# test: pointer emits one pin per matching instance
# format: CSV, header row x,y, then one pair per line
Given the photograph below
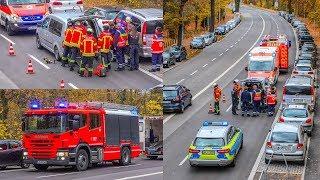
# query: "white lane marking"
x,y
54,175
73,86
234,64
133,165
193,72
231,46
239,40
236,42
151,75
213,59
205,65
168,118
180,81
9,40
41,63
221,54
229,108
183,161
227,49
305,160
256,164
140,176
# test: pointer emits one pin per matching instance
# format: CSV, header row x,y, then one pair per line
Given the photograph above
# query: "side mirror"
x,y
246,68
75,125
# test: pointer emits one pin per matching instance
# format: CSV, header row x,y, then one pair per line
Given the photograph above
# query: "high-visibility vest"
x,y
257,95
77,36
271,99
157,46
217,94
122,38
104,42
88,46
67,36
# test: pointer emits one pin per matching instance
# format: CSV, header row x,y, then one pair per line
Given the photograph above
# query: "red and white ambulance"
x,y
22,15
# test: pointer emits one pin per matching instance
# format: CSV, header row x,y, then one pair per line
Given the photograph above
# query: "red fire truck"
x,y
80,135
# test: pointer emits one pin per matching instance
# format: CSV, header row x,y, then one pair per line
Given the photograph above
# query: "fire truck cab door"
x,y
95,129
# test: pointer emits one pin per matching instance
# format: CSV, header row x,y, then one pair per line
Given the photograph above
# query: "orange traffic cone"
x,y
223,98
30,68
211,110
11,50
62,84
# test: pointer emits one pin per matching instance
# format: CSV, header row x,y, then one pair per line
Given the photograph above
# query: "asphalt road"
x,y
143,169
48,76
199,74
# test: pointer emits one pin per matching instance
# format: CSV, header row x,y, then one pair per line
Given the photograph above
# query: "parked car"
x,y
198,43
179,52
308,56
146,21
11,152
299,114
168,59
108,12
305,69
299,89
65,5
176,98
209,38
232,23
304,38
220,30
286,142
308,49
154,150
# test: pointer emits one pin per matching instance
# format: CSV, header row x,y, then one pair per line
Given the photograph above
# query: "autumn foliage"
x,y
14,102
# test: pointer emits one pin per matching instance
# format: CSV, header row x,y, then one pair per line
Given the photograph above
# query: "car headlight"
x,y
15,17
62,154
25,153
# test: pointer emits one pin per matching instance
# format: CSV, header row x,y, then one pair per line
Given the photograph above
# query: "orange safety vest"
x,y
217,93
238,89
104,42
77,36
271,100
122,41
88,46
67,36
257,96
157,46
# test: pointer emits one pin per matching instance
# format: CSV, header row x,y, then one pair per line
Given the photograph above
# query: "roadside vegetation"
x,y
13,103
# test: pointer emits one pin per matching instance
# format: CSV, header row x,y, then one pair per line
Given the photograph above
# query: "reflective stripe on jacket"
x,y
104,42
88,46
67,36
157,45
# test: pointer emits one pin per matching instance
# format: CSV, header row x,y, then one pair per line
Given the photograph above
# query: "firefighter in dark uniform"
x,y
67,43
246,99
88,49
134,45
235,96
119,46
257,97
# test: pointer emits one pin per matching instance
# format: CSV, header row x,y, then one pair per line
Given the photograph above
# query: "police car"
x,y
217,144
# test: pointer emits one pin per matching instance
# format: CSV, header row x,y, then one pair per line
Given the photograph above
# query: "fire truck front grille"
x,y
42,149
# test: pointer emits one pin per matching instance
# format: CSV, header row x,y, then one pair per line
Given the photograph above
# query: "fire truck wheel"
x,y
82,160
41,167
125,157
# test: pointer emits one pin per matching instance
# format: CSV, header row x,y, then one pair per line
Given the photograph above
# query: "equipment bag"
x,y
100,71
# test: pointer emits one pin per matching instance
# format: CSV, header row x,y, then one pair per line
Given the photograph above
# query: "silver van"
x,y
145,20
50,32
299,89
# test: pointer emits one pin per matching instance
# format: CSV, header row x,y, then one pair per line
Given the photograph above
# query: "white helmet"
x,y
236,81
215,85
128,19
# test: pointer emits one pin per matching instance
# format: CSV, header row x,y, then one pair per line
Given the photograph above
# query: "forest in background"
x,y
13,103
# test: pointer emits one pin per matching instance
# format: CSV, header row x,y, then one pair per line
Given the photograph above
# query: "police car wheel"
x,y
309,134
234,162
241,146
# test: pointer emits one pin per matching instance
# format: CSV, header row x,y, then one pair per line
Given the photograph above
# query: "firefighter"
x,y
235,95
257,97
157,50
134,44
88,50
119,47
245,100
77,36
271,103
67,43
217,92
105,41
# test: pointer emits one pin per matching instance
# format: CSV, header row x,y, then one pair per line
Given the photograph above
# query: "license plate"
x,y
283,148
31,28
298,100
206,152
42,162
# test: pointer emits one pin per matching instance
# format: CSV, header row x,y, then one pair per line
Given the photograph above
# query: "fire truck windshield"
x,y
48,123
20,2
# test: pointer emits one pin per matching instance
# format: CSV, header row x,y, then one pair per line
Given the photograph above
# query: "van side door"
x,y
55,34
42,32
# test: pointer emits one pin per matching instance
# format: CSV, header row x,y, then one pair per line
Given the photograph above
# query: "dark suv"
x,y
176,98
11,154
303,39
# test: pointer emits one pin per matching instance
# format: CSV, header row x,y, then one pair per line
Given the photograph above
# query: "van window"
x,y
151,25
94,121
45,23
300,90
55,27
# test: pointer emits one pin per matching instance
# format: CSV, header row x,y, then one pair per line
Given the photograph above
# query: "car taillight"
x,y
223,151
284,90
295,72
312,90
308,121
299,146
193,151
281,119
310,72
57,3
144,32
79,2
269,145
